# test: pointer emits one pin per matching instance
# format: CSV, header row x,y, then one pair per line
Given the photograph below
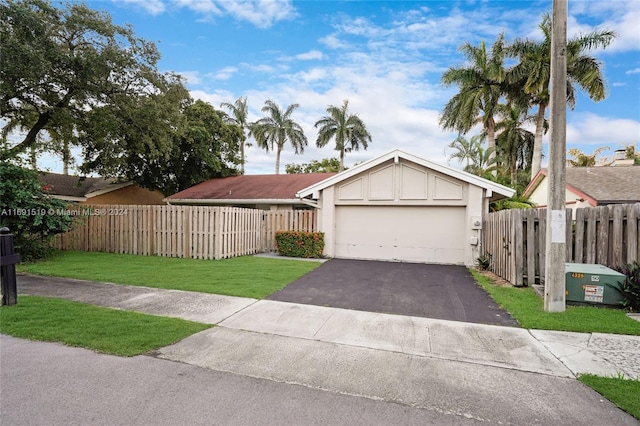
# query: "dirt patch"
x,y
495,279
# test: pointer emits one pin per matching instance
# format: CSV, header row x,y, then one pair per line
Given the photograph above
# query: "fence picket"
x,y
200,232
605,235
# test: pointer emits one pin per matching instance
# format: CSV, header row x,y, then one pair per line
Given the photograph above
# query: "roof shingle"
x,y
607,184
251,187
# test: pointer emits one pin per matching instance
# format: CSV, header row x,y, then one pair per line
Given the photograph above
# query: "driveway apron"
x,y
446,292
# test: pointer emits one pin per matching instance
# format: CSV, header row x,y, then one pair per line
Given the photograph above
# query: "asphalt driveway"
x,y
446,292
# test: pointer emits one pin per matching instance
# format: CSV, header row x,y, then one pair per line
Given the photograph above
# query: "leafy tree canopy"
x,y
76,77
326,165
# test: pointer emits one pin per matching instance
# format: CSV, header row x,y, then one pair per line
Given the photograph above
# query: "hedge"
x,y
300,244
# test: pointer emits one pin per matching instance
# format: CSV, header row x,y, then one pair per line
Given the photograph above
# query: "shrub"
x,y
630,286
484,262
28,212
300,244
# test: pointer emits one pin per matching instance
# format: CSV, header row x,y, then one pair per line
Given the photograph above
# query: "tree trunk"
x,y
30,139
278,159
341,160
491,141
536,160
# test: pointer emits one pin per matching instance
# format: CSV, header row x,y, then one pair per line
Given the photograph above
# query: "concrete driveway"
x,y
446,292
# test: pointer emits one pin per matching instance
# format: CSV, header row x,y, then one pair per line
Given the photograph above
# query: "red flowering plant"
x,y
300,244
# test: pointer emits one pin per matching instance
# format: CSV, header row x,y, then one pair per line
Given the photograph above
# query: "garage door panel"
x,y
417,234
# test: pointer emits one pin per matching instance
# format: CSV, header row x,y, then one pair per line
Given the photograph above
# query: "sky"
x,y
385,57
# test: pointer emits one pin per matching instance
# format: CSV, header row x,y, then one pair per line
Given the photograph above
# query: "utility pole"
x,y
554,285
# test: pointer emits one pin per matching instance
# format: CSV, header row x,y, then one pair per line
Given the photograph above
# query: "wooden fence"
x,y
515,239
199,232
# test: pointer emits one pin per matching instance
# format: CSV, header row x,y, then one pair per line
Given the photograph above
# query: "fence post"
x,y
8,260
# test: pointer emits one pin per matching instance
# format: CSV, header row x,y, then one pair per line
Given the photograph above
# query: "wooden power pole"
x,y
554,289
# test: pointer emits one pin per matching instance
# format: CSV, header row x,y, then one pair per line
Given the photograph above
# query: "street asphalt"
x,y
274,362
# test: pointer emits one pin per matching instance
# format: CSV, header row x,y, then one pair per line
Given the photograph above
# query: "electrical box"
x,y
588,284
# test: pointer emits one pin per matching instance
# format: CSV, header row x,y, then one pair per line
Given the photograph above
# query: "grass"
x,y
624,393
101,329
528,309
246,276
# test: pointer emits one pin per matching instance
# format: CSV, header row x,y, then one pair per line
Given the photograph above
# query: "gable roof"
x,y
79,188
495,190
249,189
600,185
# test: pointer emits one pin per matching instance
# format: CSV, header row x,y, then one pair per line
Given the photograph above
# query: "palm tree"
x,y
485,164
514,143
349,131
466,150
533,73
239,113
580,159
278,128
481,86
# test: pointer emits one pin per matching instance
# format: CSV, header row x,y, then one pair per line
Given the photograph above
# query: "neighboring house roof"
x,y
598,185
495,190
79,188
248,189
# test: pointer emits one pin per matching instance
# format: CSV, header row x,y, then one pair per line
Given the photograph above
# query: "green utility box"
x,y
588,284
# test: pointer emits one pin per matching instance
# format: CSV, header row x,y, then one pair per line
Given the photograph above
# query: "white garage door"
x,y
413,234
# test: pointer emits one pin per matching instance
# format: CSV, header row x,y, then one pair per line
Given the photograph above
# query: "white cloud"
x,y
310,55
332,41
261,13
592,129
225,73
207,7
153,7
633,71
191,77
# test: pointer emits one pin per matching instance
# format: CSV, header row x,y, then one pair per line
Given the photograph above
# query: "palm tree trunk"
x,y
536,160
242,154
491,141
279,150
341,160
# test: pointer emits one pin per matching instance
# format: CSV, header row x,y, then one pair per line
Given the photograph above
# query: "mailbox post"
x,y
8,260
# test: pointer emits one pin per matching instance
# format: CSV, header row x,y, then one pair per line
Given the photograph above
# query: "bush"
x,y
630,287
28,212
300,244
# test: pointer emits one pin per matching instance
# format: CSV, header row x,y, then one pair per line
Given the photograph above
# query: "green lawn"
x,y
528,309
622,392
246,276
101,329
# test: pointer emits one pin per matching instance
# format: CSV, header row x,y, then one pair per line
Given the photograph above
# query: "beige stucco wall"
x,y
411,185
572,200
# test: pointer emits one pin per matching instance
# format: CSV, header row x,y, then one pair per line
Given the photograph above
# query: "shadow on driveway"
x,y
446,292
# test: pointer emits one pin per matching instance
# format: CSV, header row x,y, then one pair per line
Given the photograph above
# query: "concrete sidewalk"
x,y
460,368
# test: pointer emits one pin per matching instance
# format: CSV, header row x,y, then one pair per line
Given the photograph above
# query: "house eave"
x,y
395,155
219,201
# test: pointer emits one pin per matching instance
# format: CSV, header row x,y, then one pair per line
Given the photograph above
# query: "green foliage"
x,y
300,244
622,392
31,215
71,66
629,288
348,130
277,128
484,261
326,165
101,329
230,277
